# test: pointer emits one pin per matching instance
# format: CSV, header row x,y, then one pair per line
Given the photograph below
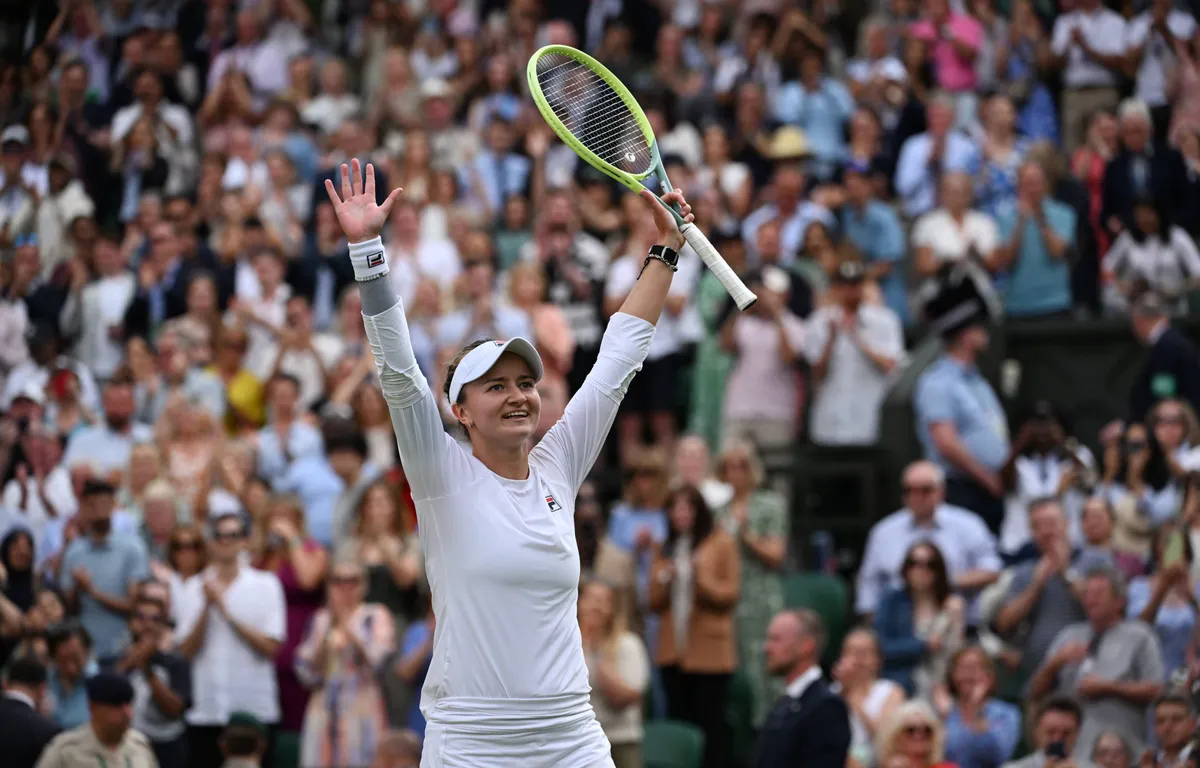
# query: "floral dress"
x,y
762,597
345,718
996,184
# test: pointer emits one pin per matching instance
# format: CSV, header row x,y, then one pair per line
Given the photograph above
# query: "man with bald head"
x,y
959,534
810,724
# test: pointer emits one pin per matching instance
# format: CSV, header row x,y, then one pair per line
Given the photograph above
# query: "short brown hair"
x,y
453,366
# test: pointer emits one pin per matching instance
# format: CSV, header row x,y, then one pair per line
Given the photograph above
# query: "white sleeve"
x,y
1185,250
189,605
571,446
273,619
1061,37
1116,261
432,460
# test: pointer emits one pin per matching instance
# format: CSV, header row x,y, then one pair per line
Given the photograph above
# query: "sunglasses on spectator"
x,y
924,731
922,489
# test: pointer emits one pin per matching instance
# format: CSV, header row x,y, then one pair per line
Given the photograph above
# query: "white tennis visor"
x,y
476,363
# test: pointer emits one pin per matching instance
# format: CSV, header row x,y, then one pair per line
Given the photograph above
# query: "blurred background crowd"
x,y
209,552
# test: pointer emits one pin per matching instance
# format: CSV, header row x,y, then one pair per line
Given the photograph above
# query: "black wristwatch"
x,y
668,256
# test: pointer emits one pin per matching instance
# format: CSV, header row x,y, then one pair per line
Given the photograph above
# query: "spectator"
x,y
762,393
921,624
301,565
1113,664
107,446
821,106
1139,169
1111,751
18,583
960,421
869,698
957,534
873,228
926,158
1055,732
694,467
758,519
618,670
108,732
162,681
695,583
243,742
808,722
853,347
1174,728
398,749
1153,255
1098,524
95,310
1171,370
232,623
101,568
70,653
26,731
1088,45
953,233
914,737
339,659
1043,596
1037,242
981,731
794,213
1166,599
1137,481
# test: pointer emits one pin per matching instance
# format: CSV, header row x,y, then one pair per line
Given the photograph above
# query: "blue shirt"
x,y
318,487
822,115
878,235
273,462
951,392
70,708
115,565
792,229
497,177
1038,284
623,525
916,185
968,748
104,449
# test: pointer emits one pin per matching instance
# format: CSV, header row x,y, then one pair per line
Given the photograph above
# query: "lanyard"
x,y
104,763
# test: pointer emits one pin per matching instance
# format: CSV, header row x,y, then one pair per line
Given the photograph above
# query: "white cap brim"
x,y
480,360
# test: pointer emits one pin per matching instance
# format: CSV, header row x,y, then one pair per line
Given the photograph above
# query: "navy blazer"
x,y
811,731
1172,369
898,642
24,733
1167,183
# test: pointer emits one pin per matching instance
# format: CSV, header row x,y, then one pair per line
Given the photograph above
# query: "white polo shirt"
x,y
1104,31
227,674
1159,57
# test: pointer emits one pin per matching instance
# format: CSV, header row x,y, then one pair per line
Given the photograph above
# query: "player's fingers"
x,y
391,200
356,176
369,187
333,195
346,191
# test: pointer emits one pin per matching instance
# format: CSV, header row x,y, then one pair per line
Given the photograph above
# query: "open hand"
x,y
357,212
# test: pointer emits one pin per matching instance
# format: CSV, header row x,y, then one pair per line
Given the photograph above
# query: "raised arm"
x,y
430,456
571,446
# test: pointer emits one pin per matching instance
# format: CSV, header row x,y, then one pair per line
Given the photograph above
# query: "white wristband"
x,y
368,259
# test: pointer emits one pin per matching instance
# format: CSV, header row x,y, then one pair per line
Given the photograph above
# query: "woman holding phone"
x,y
1166,599
508,682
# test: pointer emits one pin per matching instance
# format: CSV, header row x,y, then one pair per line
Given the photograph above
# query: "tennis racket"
x,y
595,115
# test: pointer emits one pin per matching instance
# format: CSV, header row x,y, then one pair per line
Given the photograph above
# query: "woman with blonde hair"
x,y
339,660
286,549
757,518
912,737
618,669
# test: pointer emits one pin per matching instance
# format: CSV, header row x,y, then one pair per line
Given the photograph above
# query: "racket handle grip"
x,y
708,254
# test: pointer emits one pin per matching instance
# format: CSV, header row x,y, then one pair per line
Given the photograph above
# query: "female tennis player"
x,y
507,685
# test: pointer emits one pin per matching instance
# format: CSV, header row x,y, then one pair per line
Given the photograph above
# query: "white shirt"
x,y
176,117
47,531
1165,266
1159,57
227,674
501,557
1104,31
797,687
938,231
846,402
98,307
431,260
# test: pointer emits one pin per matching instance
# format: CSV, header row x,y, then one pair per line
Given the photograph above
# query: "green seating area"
x,y
672,744
829,597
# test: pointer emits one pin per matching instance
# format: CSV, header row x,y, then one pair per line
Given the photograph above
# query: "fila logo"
x,y
554,505
375,260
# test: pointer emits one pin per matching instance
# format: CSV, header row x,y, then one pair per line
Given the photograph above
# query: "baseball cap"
x,y
32,392
480,360
15,134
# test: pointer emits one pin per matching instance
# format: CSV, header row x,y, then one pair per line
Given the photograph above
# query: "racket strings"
x,y
594,113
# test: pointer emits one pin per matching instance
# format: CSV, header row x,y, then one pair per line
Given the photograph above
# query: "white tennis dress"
x,y
508,684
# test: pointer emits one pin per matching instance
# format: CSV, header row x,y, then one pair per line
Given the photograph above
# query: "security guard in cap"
x,y
106,741
960,420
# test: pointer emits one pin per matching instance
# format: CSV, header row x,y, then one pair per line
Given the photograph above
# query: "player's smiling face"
x,y
503,404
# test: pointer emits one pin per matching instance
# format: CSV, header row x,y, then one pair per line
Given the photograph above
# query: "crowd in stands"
x,y
208,552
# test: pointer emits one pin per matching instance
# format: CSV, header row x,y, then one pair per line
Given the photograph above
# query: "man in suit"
x,y
1142,169
1171,370
809,725
24,732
